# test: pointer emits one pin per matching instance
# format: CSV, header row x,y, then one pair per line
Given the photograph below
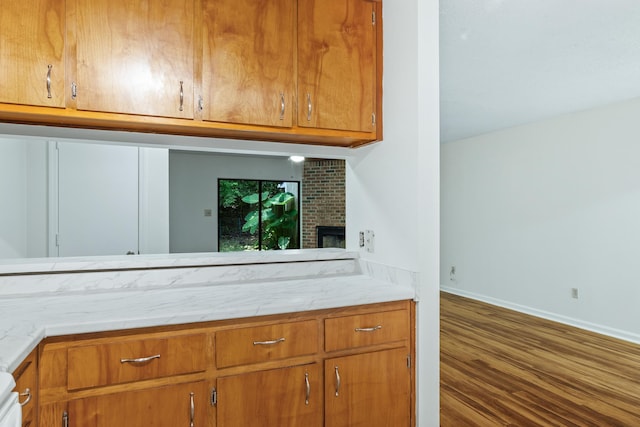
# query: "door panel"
x,y
248,61
32,40
133,55
158,407
336,64
97,199
368,390
271,398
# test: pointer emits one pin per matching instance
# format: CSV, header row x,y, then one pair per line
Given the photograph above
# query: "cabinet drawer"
x,y
134,360
366,329
262,343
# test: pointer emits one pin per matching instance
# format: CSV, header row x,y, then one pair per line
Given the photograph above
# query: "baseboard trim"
x,y
600,329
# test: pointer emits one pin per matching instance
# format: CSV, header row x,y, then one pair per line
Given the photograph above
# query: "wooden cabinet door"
x,y
134,57
278,397
26,376
248,61
32,52
336,64
168,406
368,390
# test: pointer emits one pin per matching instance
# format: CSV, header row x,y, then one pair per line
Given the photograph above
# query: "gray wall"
x,y
193,187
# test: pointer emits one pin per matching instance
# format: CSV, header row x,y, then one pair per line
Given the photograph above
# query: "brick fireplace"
x,y
323,198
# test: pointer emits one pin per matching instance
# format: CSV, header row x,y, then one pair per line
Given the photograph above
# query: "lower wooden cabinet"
x,y
168,406
26,377
287,397
368,390
344,367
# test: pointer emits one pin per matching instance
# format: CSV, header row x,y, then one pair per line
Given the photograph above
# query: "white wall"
x,y
153,209
37,190
530,212
23,191
193,187
393,187
13,188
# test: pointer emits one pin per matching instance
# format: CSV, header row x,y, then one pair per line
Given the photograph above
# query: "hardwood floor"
x,y
503,368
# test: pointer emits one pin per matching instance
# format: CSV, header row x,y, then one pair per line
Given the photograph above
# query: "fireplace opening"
x,y
330,236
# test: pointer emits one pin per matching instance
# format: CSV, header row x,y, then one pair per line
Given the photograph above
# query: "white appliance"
x,y
10,409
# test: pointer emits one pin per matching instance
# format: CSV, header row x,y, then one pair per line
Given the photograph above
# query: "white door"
x,y
97,200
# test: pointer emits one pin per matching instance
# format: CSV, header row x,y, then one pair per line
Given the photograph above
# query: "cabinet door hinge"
x,y
65,419
409,361
214,397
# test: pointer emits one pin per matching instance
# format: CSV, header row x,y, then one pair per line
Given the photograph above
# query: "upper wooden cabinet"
x,y
248,61
32,52
133,57
337,64
302,71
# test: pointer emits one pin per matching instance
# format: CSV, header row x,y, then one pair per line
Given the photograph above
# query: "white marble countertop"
x,y
26,319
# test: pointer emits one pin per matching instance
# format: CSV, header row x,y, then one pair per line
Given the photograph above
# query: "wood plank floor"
x,y
503,368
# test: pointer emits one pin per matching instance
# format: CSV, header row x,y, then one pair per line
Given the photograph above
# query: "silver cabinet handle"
x,y
338,381
308,386
200,103
28,395
192,409
49,80
181,95
272,342
74,90
282,105
141,359
65,419
372,329
309,107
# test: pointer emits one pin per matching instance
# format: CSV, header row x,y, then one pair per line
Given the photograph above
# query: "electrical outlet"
x,y
362,239
574,293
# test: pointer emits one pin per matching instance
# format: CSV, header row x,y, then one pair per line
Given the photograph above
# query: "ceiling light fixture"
x,y
296,159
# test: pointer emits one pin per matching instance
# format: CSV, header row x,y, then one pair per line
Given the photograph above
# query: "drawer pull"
x,y
49,67
272,342
192,409
181,95
338,381
373,329
27,394
282,105
141,359
308,388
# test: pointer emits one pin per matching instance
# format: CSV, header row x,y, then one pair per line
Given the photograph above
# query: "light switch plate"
x,y
369,240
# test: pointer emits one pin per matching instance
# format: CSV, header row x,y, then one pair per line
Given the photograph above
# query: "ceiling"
x,y
509,62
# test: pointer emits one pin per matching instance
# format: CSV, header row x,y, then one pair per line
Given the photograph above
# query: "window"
x,y
258,215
